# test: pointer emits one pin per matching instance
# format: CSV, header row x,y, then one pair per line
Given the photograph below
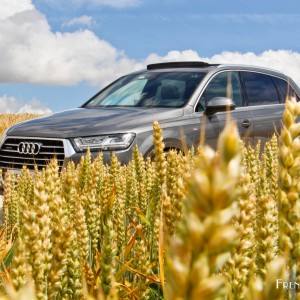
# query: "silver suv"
x,y
182,96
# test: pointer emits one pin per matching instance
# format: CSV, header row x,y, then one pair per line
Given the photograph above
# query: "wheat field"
x,y
212,224
7,120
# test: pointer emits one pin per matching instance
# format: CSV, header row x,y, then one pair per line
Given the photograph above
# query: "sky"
x,y
56,54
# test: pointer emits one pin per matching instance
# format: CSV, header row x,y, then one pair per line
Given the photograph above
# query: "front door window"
x,y
225,84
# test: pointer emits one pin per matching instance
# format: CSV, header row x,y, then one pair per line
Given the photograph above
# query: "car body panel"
x,y
89,122
241,115
267,119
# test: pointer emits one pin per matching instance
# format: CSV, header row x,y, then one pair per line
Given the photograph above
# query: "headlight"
x,y
105,142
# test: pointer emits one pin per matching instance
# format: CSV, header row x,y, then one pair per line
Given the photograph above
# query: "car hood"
x,y
87,122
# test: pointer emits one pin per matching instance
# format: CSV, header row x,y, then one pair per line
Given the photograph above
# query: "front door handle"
x,y
246,123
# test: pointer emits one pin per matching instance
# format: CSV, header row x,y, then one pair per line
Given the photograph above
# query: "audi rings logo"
x,y
29,148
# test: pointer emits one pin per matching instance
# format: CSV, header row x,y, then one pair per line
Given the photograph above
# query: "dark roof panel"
x,y
182,64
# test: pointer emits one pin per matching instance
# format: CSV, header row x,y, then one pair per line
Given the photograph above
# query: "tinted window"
x,y
285,89
259,88
149,89
225,84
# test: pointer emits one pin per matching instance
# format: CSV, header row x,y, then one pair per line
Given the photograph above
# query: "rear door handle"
x,y
246,123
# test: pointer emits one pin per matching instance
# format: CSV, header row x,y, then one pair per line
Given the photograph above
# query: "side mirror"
x,y
219,104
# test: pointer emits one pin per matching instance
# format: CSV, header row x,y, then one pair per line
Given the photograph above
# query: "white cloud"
x,y
288,62
83,20
285,61
9,7
10,104
35,54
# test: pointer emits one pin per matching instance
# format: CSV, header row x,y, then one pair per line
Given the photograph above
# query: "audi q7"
x,y
182,96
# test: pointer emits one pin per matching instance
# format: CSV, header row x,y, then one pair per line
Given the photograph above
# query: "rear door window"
x,y
259,88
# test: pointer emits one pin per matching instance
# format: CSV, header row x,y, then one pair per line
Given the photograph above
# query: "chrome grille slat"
x,y
21,165
6,150
41,152
9,144
26,158
10,157
56,147
44,146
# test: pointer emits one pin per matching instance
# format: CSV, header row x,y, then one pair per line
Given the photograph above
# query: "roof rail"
x,y
181,64
250,66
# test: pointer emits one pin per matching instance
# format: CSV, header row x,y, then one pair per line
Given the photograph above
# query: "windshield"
x,y
149,89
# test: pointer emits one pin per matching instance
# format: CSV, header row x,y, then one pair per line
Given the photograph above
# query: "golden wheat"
x,y
8,120
96,232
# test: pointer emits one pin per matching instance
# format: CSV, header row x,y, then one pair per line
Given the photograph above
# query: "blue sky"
x,y
56,54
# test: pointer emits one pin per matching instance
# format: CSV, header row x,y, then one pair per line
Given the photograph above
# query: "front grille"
x,y
10,156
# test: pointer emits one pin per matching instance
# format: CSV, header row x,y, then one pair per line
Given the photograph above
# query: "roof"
x,y
203,65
